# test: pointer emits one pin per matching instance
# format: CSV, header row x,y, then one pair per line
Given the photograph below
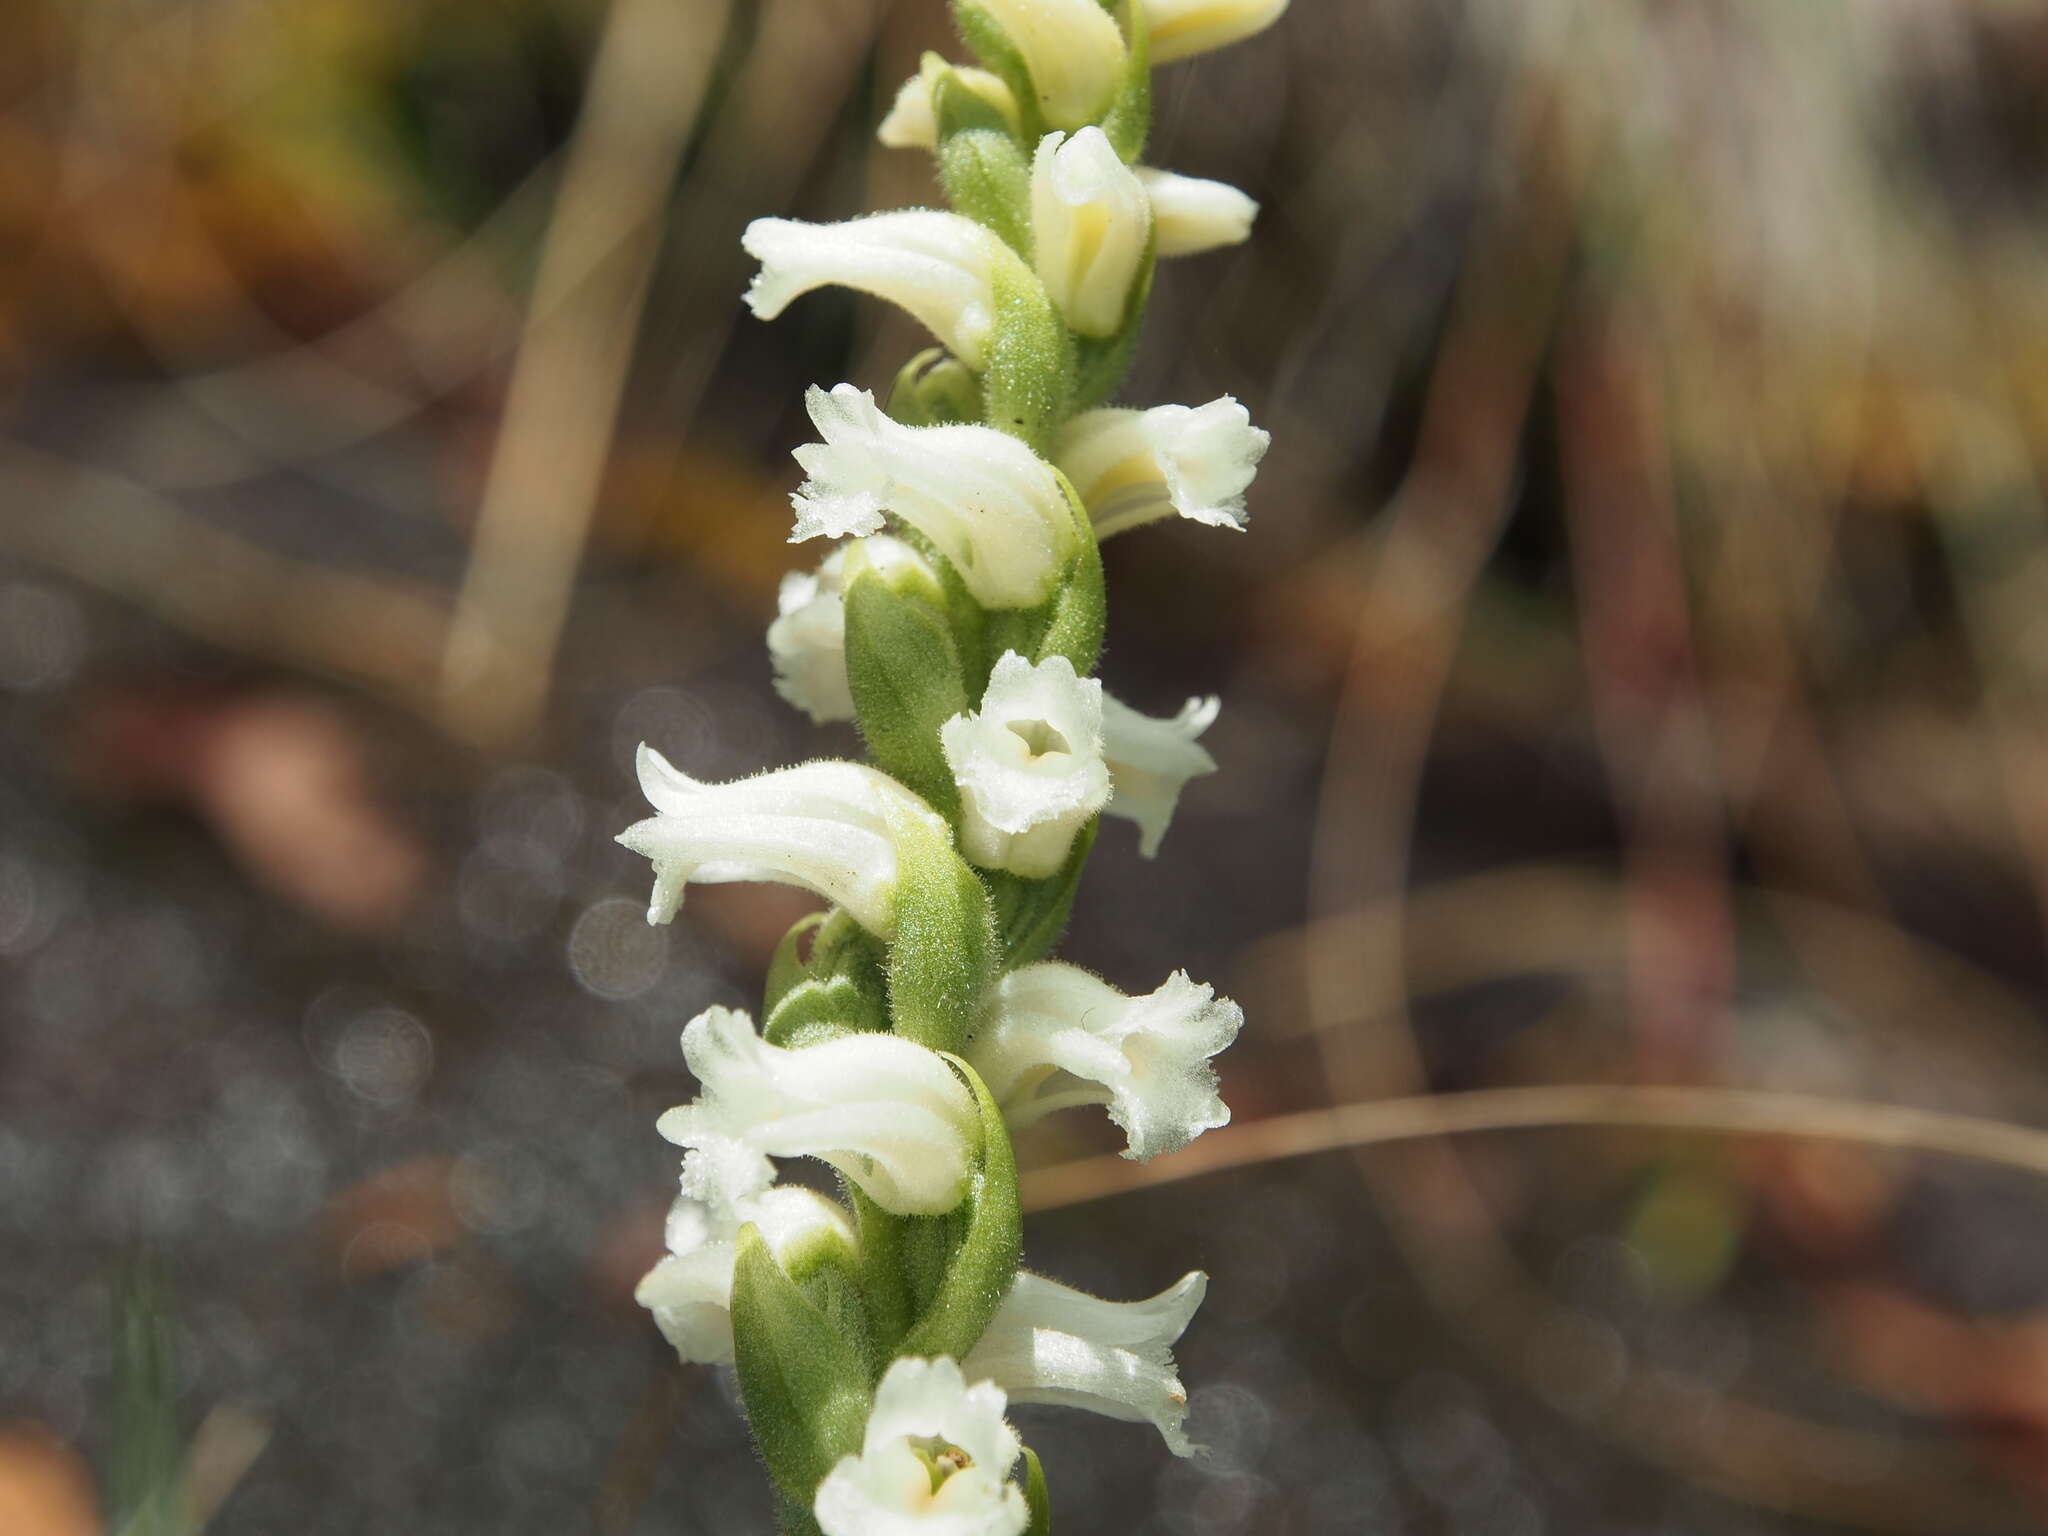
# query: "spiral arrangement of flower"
x,y
909,1029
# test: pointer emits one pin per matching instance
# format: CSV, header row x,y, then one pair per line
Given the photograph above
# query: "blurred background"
x,y
1636,675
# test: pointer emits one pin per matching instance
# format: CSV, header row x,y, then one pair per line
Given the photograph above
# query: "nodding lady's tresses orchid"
x,y
910,1030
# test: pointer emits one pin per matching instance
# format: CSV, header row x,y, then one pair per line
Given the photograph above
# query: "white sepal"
x,y
690,1290
992,506
1180,28
1029,765
1049,1343
828,827
1056,1036
1090,219
1150,759
884,1111
1191,215
1131,467
807,640
938,266
912,121
935,1461
1073,50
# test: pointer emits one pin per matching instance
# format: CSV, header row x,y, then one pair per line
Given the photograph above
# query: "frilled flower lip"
x,y
1150,761
991,506
886,1112
1131,467
934,264
895,1486
1057,1037
1049,1343
1033,751
829,827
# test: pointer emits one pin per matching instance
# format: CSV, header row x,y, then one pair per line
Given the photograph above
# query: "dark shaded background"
x,y
1634,675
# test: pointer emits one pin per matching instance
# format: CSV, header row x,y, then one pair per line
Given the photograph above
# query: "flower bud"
x,y
1090,220
992,506
1029,765
937,266
1049,1343
1132,467
935,1459
1150,759
912,122
1056,1037
1071,49
828,827
884,1111
1191,215
1180,28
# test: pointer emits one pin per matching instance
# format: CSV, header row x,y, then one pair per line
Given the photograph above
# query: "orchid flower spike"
x,y
1029,765
883,1110
1150,760
807,641
994,508
937,266
1191,214
1179,29
1072,50
828,827
1132,467
1090,224
913,122
935,1461
1049,1343
1056,1037
690,1290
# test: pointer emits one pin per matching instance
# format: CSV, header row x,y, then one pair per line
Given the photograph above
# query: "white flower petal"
x,y
1090,219
935,265
912,121
1029,764
1073,50
1131,466
1150,760
1180,28
690,1291
886,1112
807,641
1056,1037
1191,215
1049,1343
828,827
925,1416
992,506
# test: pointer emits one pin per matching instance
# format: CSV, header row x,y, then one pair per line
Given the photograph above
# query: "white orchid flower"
x,y
1090,219
1049,1343
913,122
1191,214
807,640
883,1110
690,1290
993,507
828,827
1132,467
935,1461
937,266
1056,1037
1180,28
1029,765
1150,759
1072,49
